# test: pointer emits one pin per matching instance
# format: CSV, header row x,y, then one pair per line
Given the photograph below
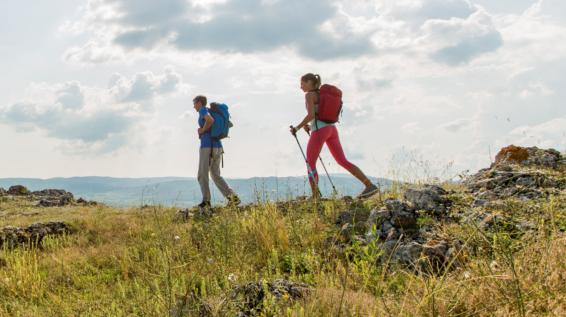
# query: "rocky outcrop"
x,y
18,190
11,237
3,192
53,197
531,156
395,229
523,173
84,202
390,222
250,296
431,198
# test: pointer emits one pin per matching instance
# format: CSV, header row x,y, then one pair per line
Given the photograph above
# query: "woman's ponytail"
x,y
317,82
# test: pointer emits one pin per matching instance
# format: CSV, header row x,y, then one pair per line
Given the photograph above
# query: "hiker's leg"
x,y
215,173
203,168
337,152
316,141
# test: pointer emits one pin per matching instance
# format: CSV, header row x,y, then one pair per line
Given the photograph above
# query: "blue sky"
x,y
104,87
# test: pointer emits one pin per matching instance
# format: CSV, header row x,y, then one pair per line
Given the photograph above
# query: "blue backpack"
x,y
222,124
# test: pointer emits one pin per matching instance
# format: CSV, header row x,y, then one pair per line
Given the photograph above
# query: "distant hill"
x,y
185,191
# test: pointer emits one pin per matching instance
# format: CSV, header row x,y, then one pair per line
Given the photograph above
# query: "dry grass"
x,y
137,262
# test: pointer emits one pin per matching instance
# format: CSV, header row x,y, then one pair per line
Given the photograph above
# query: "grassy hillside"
x,y
504,256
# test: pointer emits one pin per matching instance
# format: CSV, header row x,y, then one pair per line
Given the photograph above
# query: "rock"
x,y
512,154
249,297
344,217
408,254
430,198
12,237
493,184
395,205
390,222
54,197
377,217
3,192
435,255
404,220
531,156
432,256
18,190
84,202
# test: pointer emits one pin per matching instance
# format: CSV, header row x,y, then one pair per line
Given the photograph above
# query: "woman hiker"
x,y
322,132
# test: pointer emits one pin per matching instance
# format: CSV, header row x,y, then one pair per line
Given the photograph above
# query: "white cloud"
x,y
144,86
98,121
536,89
457,125
416,12
227,26
461,40
550,134
71,95
93,52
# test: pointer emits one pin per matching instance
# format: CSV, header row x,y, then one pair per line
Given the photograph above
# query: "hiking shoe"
x,y
233,200
204,204
369,191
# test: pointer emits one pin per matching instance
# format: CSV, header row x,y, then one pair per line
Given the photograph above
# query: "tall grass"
x,y
138,262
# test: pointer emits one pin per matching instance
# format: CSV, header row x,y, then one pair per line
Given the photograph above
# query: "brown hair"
x,y
314,78
201,99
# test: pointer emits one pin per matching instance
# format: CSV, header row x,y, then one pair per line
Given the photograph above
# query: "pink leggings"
x,y
328,135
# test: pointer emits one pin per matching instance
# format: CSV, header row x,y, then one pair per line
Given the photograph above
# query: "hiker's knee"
x,y
345,164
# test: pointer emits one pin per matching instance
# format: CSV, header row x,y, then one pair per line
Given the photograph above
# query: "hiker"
x,y
210,156
325,132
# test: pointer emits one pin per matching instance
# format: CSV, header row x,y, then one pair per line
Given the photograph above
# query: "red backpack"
x,y
329,103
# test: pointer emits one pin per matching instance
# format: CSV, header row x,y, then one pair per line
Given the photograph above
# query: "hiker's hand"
x,y
293,130
200,131
307,129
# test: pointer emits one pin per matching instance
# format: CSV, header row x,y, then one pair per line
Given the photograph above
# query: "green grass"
x,y
138,262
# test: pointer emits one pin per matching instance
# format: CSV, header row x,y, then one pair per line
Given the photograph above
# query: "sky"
x,y
431,87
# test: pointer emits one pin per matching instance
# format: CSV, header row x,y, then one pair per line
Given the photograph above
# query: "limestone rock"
x,y
12,237
54,197
18,190
531,156
431,198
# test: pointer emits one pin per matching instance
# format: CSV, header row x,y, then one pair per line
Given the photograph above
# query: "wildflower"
x,y
232,277
177,238
467,275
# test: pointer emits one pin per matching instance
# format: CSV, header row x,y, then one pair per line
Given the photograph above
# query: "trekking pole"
x,y
328,175
311,173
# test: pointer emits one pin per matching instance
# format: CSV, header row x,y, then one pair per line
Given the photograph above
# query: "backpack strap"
x,y
315,115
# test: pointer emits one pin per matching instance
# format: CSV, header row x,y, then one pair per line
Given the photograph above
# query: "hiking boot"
x,y
204,204
369,191
233,200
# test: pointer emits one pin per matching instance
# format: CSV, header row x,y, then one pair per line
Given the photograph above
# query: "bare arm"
x,y
208,121
311,99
